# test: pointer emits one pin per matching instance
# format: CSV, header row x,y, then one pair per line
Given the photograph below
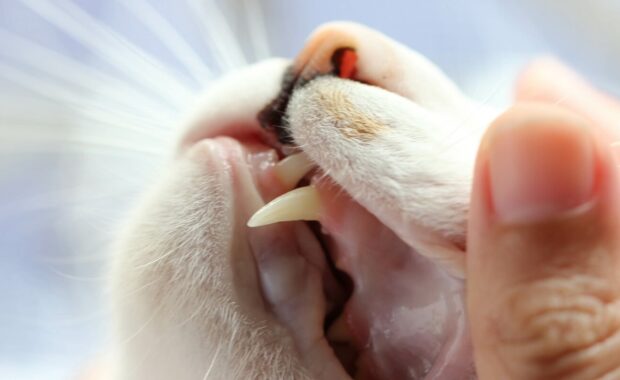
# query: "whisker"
x,y
226,48
75,196
155,261
32,139
128,339
110,88
461,125
76,148
78,278
256,26
74,259
212,364
60,94
139,289
169,36
135,63
562,99
198,311
60,323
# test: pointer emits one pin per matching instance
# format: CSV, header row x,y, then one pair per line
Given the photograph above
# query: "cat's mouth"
x,y
391,313
352,294
388,312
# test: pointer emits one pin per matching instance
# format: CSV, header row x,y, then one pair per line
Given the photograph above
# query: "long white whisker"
x,y
65,144
78,278
257,30
87,107
161,28
63,67
212,365
460,131
158,259
128,339
562,99
226,48
17,129
65,322
82,258
57,199
112,47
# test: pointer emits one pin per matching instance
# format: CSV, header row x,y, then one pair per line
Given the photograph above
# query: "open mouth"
x,y
385,311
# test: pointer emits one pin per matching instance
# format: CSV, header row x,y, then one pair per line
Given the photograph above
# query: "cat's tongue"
x,y
406,316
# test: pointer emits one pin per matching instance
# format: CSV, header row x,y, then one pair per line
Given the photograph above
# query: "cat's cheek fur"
x,y
185,290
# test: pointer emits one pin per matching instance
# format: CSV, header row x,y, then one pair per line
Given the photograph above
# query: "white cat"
x,y
371,291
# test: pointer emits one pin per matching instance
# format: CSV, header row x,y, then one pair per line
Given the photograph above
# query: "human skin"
x,y
543,248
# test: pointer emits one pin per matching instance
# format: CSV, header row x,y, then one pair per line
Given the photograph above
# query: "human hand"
x,y
543,246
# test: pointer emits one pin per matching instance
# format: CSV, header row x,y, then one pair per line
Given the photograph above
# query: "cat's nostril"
x,y
343,64
344,61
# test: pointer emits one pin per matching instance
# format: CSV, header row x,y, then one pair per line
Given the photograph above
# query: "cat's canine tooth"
x,y
300,204
292,169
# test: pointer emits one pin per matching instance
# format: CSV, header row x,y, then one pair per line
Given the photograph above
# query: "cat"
x,y
213,277
363,275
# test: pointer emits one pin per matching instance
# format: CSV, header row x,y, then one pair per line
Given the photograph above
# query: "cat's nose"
x,y
331,50
352,51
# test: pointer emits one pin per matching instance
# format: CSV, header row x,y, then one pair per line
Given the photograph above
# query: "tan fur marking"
x,y
348,118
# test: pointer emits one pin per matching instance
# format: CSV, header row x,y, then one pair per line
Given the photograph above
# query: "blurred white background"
x,y
91,92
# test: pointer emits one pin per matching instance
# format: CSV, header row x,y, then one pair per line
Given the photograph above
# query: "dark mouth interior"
x,y
345,352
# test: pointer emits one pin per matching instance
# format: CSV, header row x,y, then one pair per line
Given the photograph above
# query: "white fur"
x,y
415,174
181,311
178,305
185,291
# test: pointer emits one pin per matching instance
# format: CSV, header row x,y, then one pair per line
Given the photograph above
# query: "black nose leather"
x,y
273,116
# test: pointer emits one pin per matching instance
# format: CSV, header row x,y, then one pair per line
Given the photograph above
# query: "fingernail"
x,y
541,164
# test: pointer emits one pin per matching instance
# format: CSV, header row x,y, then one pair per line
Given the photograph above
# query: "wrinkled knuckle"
x,y
559,328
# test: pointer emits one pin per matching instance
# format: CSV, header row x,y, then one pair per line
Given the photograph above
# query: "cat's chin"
x,y
350,292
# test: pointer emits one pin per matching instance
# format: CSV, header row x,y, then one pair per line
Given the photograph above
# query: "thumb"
x,y
543,261
550,81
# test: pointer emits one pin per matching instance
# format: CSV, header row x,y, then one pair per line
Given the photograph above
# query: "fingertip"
x,y
534,161
550,81
546,79
537,164
541,163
